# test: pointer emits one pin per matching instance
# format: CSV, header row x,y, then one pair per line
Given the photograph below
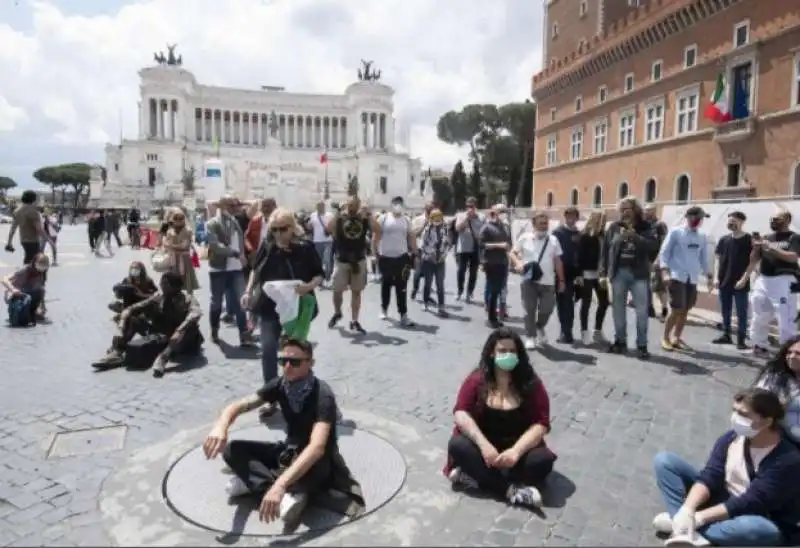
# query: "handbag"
x,y
533,271
161,261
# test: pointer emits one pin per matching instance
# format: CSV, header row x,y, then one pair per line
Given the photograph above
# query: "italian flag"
x,y
718,110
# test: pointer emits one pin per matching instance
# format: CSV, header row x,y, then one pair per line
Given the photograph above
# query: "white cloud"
x,y
77,73
10,116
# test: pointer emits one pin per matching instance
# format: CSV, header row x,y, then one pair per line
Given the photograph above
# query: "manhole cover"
x,y
194,487
87,442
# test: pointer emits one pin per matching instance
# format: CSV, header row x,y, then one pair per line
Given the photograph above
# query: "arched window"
x,y
796,180
549,200
624,190
650,190
683,189
573,197
597,196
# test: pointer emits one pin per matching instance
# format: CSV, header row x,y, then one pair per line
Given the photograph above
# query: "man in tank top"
x,y
395,245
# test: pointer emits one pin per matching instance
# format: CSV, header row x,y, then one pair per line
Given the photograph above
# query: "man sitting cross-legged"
x,y
169,322
308,463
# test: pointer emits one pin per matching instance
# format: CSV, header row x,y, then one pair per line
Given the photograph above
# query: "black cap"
x,y
397,200
697,211
738,215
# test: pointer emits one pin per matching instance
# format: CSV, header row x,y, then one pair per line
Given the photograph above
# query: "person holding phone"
x,y
733,279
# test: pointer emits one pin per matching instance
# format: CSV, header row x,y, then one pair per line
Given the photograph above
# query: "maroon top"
x,y
536,406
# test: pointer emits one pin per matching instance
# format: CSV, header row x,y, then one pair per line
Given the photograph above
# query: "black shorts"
x,y
682,295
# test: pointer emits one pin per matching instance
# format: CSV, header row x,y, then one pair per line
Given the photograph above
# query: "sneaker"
x,y
266,412
246,340
525,495
598,337
355,326
468,298
426,306
761,352
292,507
618,347
459,297
405,321
461,480
679,541
741,345
680,344
586,338
667,345
384,316
642,353
215,335
442,313
227,319
112,359
566,339
530,343
236,487
158,367
662,523
725,338
541,338
334,320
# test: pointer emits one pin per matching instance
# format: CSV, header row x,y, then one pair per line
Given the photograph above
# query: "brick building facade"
x,y
620,101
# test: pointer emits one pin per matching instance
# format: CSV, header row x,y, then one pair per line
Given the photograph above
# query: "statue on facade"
x,y
159,58
188,179
366,74
170,58
274,125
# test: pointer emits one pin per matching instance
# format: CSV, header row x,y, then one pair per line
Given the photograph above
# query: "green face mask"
x,y
506,361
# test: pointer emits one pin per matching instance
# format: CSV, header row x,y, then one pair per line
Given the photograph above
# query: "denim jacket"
x,y
220,230
435,243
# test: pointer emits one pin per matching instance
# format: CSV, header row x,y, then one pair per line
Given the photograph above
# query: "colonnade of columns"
x,y
162,119
374,130
254,129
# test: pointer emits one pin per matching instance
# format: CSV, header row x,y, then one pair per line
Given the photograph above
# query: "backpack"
x,y
20,312
451,232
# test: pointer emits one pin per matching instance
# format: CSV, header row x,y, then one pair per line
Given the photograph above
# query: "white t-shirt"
x,y
529,247
234,263
318,225
394,235
736,478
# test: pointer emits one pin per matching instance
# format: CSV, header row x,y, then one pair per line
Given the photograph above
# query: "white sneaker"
x,y
384,316
586,338
542,338
599,338
525,495
685,541
236,487
662,523
530,343
292,507
460,479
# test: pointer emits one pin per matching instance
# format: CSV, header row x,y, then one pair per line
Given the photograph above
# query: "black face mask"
x,y
776,226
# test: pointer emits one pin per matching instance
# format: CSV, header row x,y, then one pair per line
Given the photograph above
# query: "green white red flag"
x,y
718,110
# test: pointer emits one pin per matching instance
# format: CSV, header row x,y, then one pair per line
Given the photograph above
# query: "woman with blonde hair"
x,y
177,242
589,263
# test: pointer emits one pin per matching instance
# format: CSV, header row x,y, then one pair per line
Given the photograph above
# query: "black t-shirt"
x,y
351,238
319,406
773,266
300,262
734,256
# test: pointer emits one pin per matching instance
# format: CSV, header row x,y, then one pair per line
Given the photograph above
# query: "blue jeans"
x,y
231,285
565,306
503,295
270,334
431,271
728,297
674,478
325,252
622,284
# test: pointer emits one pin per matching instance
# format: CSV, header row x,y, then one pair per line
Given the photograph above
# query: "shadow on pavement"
x,y
556,354
237,352
371,339
557,489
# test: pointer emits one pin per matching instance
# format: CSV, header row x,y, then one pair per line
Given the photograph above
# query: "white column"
x,y
343,129
172,110
382,130
203,125
241,127
327,131
363,129
141,119
213,124
160,119
230,126
258,129
252,120
294,130
375,124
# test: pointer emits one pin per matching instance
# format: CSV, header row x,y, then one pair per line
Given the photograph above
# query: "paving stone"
x,y
611,414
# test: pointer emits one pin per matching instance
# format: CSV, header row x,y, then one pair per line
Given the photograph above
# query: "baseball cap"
x,y
697,211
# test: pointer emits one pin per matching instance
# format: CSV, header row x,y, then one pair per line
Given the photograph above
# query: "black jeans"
x,y
467,262
394,275
496,276
259,464
565,306
531,470
433,272
133,235
30,250
588,288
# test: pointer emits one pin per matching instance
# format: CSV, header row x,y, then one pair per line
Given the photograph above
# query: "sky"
x,y
70,67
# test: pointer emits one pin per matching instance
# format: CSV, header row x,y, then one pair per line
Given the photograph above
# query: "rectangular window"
x,y
654,122
600,137
742,84
550,157
655,71
628,85
555,30
741,34
584,8
552,114
577,144
578,103
686,105
151,176
627,124
602,94
796,82
690,56
734,173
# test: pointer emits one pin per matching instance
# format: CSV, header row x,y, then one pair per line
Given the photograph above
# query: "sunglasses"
x,y
279,228
179,218
291,361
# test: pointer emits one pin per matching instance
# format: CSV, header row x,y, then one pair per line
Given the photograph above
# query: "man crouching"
x,y
308,463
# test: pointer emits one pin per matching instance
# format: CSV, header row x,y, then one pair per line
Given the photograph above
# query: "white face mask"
x,y
397,208
742,425
40,268
541,234
134,272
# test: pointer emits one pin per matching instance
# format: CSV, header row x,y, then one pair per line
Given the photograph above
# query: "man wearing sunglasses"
x,y
286,474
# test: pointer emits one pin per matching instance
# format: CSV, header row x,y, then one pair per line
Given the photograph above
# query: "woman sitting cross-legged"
x,y
502,415
29,283
136,287
781,375
748,493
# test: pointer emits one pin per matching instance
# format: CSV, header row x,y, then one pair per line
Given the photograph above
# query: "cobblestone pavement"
x,y
611,414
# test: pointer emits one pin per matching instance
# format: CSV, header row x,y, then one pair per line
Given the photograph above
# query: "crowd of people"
x,y
261,257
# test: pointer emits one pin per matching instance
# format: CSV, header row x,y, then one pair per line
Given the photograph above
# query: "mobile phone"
x,y
756,235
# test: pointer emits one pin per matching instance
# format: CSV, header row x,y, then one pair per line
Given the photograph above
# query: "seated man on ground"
x,y
28,283
136,287
169,322
286,474
748,494
502,416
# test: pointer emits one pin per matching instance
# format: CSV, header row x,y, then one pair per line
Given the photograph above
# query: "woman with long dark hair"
x,y
589,246
501,418
781,376
136,287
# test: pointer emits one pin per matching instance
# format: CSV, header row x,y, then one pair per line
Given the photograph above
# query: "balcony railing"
x,y
735,130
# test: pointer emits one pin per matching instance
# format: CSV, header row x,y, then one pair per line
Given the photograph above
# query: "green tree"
x,y
458,186
6,184
474,187
61,176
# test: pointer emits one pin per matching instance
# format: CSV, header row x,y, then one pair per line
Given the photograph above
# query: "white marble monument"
x,y
271,143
